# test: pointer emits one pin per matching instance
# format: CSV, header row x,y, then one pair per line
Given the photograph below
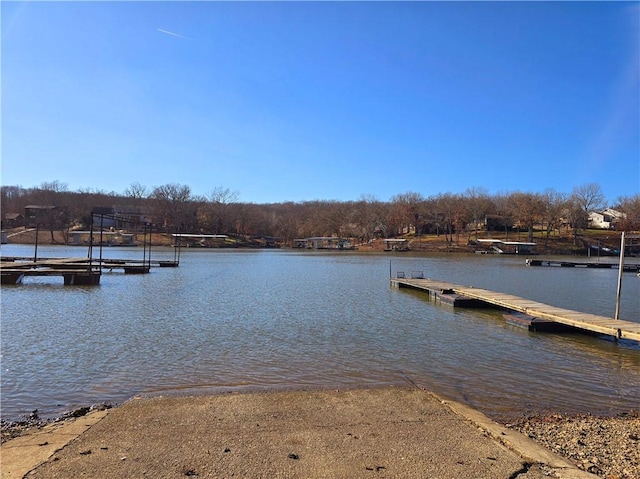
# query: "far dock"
x,y
75,271
627,268
475,297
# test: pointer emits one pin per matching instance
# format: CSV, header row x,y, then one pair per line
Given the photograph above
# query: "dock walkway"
x,y
627,268
26,261
589,322
75,271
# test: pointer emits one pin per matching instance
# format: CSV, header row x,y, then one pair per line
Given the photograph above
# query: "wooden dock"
x,y
459,294
72,276
627,268
75,271
8,261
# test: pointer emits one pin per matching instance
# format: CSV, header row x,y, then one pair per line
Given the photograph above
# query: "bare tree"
x,y
244,218
478,204
503,212
172,205
13,199
369,217
576,218
584,199
554,206
285,221
589,198
137,193
220,212
54,186
407,208
334,215
53,214
527,209
217,209
450,209
629,206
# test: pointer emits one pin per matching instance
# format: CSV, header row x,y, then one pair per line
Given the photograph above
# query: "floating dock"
x,y
531,323
75,271
627,268
460,296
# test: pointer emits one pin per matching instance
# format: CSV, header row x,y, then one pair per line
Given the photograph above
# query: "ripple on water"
x,y
290,319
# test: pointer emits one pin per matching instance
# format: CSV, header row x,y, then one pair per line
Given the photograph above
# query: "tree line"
x,y
173,207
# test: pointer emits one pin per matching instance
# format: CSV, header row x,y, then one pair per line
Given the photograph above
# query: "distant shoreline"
x,y
555,245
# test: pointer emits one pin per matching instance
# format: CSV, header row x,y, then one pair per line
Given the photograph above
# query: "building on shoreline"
x,y
323,242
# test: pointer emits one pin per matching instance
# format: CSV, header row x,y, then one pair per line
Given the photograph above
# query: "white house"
x,y
605,219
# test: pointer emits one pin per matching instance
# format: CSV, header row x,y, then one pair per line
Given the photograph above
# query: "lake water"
x,y
230,320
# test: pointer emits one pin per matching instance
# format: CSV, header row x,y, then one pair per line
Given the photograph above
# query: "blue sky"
x,y
296,101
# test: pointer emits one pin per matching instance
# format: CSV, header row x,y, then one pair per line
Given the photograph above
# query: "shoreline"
x,y
606,446
558,245
32,423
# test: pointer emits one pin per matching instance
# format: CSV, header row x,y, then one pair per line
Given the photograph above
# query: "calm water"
x,y
278,319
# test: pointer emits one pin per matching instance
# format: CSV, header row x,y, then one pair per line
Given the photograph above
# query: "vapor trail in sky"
x,y
171,33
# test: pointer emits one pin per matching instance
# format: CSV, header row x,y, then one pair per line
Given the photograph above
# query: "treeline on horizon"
x,y
173,207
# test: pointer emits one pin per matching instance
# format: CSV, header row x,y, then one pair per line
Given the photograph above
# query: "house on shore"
x,y
120,218
13,220
36,214
507,247
323,242
396,244
606,219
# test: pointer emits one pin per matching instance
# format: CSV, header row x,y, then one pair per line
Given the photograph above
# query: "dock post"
x,y
144,244
150,239
35,251
101,236
620,269
90,249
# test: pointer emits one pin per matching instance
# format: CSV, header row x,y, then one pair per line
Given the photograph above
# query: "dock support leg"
x,y
12,278
137,269
81,279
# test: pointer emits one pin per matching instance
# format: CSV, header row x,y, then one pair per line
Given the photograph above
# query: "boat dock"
x,y
78,272
75,271
468,296
627,268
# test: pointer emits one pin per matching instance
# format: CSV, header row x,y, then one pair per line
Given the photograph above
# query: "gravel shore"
x,y
606,446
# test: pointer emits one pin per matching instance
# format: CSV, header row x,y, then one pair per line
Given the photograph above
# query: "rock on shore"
x,y
606,446
32,422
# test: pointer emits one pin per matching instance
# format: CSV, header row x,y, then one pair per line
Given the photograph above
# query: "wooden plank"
x,y
585,321
58,272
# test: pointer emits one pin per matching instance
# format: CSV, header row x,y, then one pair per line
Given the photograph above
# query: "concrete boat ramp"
x,y
468,296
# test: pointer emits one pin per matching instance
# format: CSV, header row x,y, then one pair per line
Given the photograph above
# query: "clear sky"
x,y
296,101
